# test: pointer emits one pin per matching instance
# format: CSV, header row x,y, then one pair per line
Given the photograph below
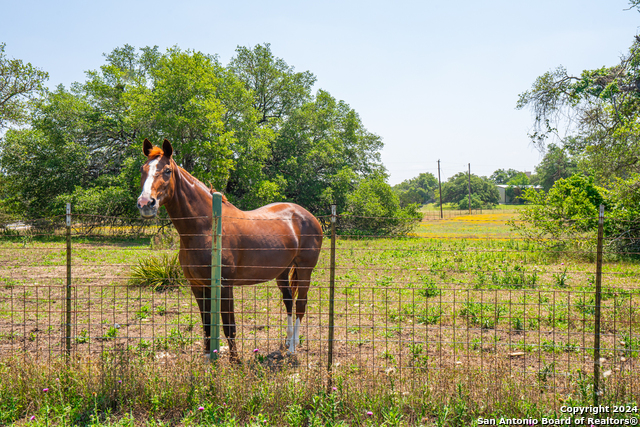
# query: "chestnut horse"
x,y
279,241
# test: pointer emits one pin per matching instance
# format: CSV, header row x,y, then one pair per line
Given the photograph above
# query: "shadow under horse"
x,y
280,241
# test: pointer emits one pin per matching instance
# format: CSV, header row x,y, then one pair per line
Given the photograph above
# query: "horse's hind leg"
x,y
287,298
229,319
302,280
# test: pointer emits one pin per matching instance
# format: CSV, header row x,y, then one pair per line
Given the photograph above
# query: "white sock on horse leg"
x,y
296,337
289,339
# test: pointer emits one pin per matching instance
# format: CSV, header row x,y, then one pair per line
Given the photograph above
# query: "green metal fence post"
x,y
216,275
332,275
68,307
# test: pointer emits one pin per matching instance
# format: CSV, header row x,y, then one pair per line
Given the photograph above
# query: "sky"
x,y
435,80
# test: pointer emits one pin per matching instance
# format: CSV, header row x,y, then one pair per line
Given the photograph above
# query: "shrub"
x,y
374,209
476,202
158,273
567,215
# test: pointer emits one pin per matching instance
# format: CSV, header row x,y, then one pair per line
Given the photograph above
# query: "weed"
x,y
561,278
551,347
517,324
385,282
545,372
481,278
631,345
486,315
515,278
111,333
429,288
387,355
8,283
430,315
143,312
586,306
571,347
83,337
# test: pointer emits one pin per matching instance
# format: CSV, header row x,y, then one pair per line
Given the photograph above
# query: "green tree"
x,y
373,208
604,108
276,88
555,165
420,190
19,82
252,130
622,215
565,215
184,106
502,176
457,188
321,153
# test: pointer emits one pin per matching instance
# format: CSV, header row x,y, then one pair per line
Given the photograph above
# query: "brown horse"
x,y
279,241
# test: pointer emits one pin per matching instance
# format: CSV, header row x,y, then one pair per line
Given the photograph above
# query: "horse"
x,y
280,241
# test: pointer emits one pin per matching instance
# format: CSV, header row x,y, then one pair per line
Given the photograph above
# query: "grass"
x,y
126,390
429,330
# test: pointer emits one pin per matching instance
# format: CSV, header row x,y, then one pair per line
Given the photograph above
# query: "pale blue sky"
x,y
436,80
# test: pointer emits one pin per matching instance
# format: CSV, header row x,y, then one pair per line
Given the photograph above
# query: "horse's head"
x,y
157,180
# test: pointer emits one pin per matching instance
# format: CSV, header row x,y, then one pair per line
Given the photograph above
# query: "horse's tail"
x,y
293,282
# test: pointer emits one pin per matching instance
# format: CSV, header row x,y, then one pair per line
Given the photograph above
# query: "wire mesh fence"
x,y
402,307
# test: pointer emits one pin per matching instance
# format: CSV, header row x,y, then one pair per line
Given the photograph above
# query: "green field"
x,y
460,320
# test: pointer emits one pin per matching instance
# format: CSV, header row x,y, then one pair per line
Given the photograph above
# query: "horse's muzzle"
x,y
148,207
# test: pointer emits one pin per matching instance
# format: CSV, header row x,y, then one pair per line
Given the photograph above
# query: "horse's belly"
x,y
262,265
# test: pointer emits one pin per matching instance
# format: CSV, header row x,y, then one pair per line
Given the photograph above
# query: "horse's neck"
x,y
190,206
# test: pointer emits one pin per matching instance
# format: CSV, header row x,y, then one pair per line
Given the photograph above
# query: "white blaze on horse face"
x,y
146,188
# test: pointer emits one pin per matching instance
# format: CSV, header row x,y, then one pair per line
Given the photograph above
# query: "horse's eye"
x,y
167,171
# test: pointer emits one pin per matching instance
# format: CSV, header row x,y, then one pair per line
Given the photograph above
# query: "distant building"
x,y
502,189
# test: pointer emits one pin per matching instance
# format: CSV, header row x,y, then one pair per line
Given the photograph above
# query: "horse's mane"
x,y
213,190
155,152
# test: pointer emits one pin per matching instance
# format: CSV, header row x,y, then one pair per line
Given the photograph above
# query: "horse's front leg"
x,y
202,295
229,319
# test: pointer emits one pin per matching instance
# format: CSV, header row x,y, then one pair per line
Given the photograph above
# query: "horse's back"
x,y
285,216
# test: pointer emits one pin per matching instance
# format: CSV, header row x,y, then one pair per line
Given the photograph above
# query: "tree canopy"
x,y
502,176
456,190
589,127
420,190
19,82
252,129
598,110
556,164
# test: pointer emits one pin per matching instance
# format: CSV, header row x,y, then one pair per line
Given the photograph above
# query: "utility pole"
x,y
440,189
469,188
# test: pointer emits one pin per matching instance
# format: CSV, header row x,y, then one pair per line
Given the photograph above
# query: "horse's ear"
x,y
167,148
146,147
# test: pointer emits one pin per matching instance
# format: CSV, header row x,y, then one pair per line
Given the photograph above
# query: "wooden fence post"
x,y
596,336
216,276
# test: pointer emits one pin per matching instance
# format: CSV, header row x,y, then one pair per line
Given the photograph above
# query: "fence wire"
x,y
404,307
